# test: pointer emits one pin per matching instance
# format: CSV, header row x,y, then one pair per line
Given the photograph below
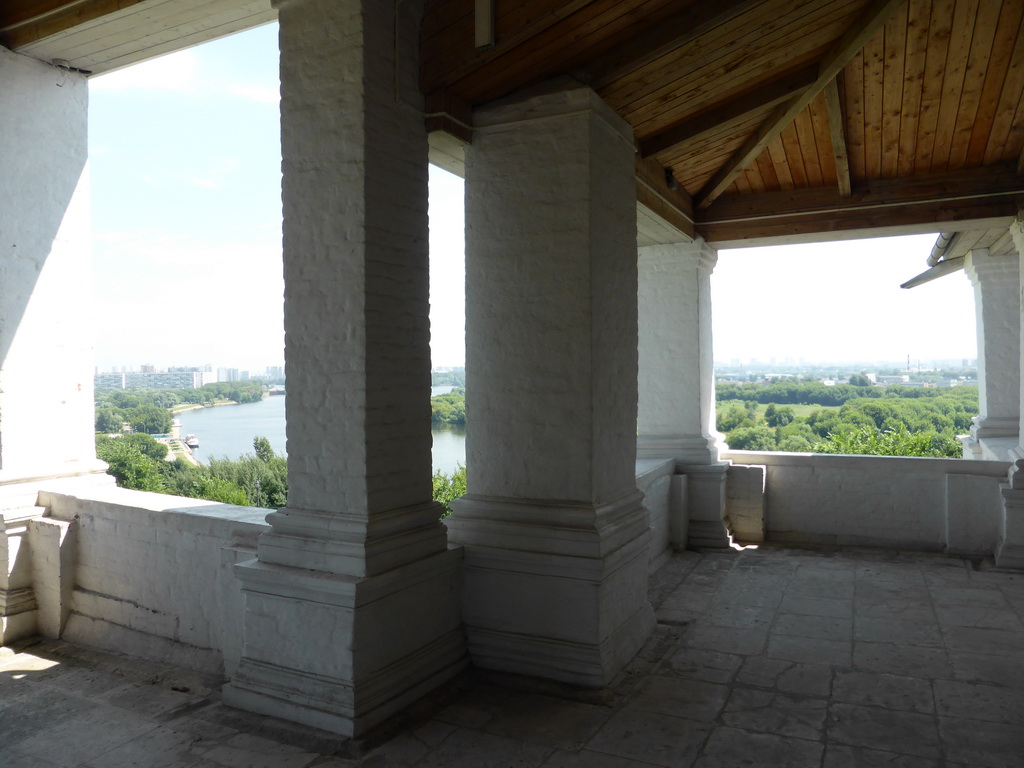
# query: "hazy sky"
x,y
185,168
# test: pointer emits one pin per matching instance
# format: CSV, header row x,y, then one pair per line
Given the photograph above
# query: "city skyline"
x,y
188,240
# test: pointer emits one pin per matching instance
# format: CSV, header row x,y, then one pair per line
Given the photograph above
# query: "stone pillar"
x,y
996,281
46,354
676,415
1010,550
554,529
351,608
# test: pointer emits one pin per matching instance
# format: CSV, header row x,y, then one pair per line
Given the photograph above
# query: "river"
x,y
228,430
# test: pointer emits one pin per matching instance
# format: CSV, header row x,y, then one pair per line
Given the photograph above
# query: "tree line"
x,y
890,421
139,462
148,410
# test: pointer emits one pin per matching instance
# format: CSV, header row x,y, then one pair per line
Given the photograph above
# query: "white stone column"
x,y
352,606
676,415
554,529
46,344
996,282
46,353
1010,550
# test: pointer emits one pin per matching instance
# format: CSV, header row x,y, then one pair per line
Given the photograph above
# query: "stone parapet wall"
x,y
937,505
153,574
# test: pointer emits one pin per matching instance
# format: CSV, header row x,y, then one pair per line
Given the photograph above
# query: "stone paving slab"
x,y
766,657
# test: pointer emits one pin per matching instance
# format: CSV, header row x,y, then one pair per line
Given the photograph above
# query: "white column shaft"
x,y
354,159
676,382
996,281
46,345
553,527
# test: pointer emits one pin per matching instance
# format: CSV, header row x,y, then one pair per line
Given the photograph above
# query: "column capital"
x,y
556,99
982,267
703,256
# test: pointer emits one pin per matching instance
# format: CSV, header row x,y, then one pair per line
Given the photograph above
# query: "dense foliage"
x,y
884,421
138,461
449,408
447,487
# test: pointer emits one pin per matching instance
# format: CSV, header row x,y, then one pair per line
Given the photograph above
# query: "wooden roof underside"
x,y
755,120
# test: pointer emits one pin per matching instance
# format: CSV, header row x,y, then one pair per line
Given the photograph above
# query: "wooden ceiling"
x,y
777,119
755,120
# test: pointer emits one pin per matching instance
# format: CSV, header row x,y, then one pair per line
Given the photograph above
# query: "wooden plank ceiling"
x,y
755,120
776,119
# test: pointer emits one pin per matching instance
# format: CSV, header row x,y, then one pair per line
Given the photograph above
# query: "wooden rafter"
x,y
60,17
662,37
654,191
874,17
757,97
837,131
960,196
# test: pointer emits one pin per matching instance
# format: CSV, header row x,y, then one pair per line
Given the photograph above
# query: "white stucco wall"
x,y
154,574
913,503
46,393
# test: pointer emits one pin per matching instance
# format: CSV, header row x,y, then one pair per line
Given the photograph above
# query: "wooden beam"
x,y
986,193
837,131
756,98
64,17
672,204
661,37
447,112
14,14
873,18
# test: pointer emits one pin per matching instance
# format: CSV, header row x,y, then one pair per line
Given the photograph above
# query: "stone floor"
x,y
765,657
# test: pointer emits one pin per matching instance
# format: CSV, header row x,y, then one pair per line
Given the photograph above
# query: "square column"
x,y
1010,549
351,608
996,281
676,414
554,529
46,345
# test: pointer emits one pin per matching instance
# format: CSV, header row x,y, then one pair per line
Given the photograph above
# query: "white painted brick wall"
x,y
879,500
551,330
355,260
154,574
46,367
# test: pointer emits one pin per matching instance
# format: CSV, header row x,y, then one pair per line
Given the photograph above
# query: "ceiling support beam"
x,y
837,131
927,200
656,190
759,97
662,36
55,18
873,18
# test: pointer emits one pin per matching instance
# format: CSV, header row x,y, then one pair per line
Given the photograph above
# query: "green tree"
x,y
150,419
130,466
447,488
758,438
860,380
109,420
778,416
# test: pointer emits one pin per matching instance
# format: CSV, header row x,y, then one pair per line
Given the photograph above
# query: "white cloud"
x,y
177,72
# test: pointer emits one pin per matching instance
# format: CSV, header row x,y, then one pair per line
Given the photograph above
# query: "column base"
x,y
703,449
706,486
1010,549
553,590
343,653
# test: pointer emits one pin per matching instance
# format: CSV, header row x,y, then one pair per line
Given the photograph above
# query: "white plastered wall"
x,y
46,394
